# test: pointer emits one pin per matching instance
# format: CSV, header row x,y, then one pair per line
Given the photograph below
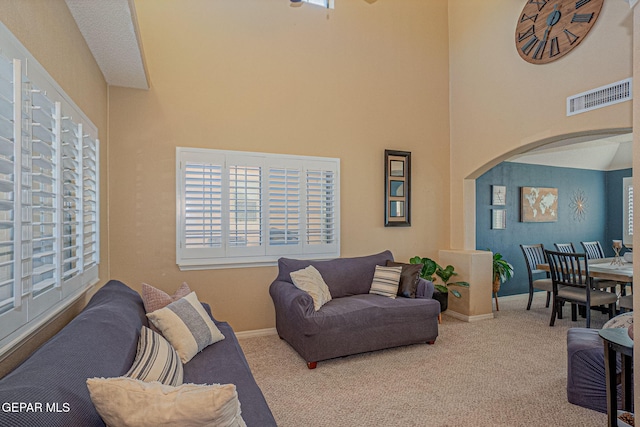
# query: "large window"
x,y
48,195
247,209
627,233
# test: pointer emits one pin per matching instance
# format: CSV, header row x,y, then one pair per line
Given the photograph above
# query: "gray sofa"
x,y
354,321
101,342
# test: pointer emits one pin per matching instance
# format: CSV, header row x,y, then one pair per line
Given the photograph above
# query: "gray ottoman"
x,y
586,385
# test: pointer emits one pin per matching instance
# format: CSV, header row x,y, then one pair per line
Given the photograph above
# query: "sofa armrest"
x,y
289,301
425,289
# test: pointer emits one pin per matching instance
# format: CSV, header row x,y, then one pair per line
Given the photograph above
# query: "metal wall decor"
x,y
578,205
397,188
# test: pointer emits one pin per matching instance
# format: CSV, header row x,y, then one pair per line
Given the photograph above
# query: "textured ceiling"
x,y
111,32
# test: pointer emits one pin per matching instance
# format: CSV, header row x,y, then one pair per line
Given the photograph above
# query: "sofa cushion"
x,y
125,402
386,281
225,363
408,279
343,276
309,280
105,331
187,326
156,360
368,311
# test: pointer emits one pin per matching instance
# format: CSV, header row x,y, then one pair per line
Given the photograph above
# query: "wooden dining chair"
x,y
572,284
534,256
565,247
594,251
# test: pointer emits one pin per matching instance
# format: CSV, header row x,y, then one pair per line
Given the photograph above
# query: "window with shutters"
x,y
627,233
248,209
49,210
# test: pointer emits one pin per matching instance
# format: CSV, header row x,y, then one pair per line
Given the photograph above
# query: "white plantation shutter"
x,y
49,210
245,219
247,209
627,232
43,123
9,286
322,219
71,193
284,208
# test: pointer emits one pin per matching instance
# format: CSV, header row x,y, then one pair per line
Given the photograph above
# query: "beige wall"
x,y
259,75
47,29
500,103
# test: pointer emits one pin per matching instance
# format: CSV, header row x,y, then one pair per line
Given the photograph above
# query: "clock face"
x,y
548,30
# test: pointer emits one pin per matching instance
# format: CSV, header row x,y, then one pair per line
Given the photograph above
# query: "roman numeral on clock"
x,y
582,17
531,31
572,37
539,3
528,47
526,17
555,47
581,3
540,50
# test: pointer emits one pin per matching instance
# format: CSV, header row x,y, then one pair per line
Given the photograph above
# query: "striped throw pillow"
x,y
156,360
386,281
187,326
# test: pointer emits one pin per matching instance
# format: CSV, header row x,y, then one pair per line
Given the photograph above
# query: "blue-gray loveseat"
x,y
101,342
354,321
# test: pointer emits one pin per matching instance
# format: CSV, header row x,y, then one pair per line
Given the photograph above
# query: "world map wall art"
x,y
539,204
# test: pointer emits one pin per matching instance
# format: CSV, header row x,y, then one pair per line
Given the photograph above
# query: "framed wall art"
x,y
498,219
397,188
539,204
498,195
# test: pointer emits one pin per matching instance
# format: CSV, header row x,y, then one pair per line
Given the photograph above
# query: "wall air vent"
x,y
600,97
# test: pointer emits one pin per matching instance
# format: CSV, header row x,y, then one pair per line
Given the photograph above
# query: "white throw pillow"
x,y
125,402
187,326
386,281
310,280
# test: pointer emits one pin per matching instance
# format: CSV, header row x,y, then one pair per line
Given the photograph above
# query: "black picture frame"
x,y
397,188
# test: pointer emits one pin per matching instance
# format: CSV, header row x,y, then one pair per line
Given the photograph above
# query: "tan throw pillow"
x,y
187,326
408,278
125,402
155,299
310,280
385,281
156,360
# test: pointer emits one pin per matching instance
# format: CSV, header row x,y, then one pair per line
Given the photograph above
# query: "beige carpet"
x,y
509,371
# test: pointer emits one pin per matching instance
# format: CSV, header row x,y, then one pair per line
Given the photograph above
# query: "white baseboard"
x,y
468,318
257,333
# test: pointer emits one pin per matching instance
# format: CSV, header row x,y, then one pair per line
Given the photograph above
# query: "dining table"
x,y
605,268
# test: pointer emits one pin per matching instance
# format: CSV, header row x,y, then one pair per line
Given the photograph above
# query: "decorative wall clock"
x,y
578,205
549,29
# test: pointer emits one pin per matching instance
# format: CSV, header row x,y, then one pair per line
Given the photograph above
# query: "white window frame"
x,y
627,209
286,232
54,203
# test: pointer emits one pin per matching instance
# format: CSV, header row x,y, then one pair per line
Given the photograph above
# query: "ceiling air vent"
x,y
599,97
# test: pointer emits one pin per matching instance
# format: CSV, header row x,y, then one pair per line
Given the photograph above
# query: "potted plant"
x,y
502,271
441,292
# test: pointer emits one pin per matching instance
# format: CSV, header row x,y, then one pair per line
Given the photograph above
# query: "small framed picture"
x,y
397,188
498,219
498,195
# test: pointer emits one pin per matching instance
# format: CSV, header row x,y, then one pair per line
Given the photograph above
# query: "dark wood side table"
x,y
616,340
